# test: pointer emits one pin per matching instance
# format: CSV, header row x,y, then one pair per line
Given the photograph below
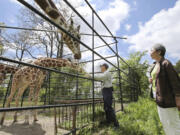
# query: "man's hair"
x,y
161,48
105,65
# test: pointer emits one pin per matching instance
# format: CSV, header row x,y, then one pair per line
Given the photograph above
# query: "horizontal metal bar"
x,y
43,68
96,59
30,29
44,30
105,36
94,48
101,72
42,107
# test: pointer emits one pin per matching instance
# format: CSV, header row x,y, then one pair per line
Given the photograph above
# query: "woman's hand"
x,y
178,103
150,80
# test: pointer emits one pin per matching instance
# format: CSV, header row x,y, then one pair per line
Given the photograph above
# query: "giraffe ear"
x,y
78,28
72,22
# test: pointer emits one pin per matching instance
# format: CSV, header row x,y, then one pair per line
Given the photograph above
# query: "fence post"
x,y
119,78
74,120
55,122
7,90
93,107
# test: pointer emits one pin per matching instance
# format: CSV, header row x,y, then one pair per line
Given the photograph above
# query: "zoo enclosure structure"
x,y
81,109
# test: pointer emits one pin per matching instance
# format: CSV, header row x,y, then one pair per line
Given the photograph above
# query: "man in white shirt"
x,y
107,89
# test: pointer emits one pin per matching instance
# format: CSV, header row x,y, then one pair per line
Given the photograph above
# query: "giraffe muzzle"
x,y
77,56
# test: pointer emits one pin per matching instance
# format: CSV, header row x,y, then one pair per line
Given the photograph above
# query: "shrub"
x,y
138,118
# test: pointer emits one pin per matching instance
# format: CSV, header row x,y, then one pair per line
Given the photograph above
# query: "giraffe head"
x,y
52,11
73,45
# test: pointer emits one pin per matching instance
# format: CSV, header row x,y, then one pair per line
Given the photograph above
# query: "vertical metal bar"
x,y
93,66
74,110
119,76
69,117
77,86
131,88
8,89
45,96
74,120
59,118
49,82
66,116
55,122
135,87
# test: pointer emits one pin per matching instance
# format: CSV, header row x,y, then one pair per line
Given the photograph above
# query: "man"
x,y
166,89
107,89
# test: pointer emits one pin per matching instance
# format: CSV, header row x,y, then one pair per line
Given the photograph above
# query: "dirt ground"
x,y
44,126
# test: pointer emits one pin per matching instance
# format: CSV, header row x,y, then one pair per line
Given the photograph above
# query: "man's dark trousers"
x,y
108,97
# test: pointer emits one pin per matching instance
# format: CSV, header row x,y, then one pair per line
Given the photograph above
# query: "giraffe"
x,y
6,69
52,11
33,78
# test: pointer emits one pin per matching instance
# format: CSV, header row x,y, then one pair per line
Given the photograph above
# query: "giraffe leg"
x,y
9,99
36,95
30,97
19,95
31,90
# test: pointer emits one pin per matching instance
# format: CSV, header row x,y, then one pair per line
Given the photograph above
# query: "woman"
x,y
166,89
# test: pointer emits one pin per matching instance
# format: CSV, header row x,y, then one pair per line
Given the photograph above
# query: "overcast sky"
x,y
144,22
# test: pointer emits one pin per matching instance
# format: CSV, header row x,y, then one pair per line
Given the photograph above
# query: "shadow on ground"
x,y
22,129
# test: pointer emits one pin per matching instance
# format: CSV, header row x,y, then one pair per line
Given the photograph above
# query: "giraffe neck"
x,y
54,63
52,11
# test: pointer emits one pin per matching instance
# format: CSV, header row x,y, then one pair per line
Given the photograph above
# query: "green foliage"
x,y
140,118
136,74
64,86
177,67
1,48
2,92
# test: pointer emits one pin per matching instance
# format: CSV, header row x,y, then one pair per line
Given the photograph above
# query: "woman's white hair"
x,y
160,47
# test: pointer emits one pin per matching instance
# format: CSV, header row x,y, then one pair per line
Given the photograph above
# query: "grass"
x,y
139,118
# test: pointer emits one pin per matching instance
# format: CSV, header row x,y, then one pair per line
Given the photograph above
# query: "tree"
x,y
2,49
21,43
136,75
177,67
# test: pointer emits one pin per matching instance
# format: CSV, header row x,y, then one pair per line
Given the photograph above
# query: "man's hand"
x,y
150,80
88,75
178,102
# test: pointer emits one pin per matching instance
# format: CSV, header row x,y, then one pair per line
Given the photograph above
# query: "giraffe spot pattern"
x,y
53,14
